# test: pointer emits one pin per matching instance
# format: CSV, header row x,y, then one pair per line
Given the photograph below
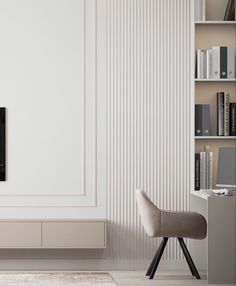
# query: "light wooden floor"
x,y
137,278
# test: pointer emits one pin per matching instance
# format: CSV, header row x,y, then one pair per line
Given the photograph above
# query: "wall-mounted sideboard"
x,y
52,233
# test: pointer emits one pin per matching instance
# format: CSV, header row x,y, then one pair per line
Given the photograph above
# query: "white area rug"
x,y
56,279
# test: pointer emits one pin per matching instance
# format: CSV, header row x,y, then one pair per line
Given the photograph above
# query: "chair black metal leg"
x,y
153,261
188,257
189,265
158,257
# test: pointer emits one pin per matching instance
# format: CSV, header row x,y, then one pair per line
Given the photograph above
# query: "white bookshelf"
x,y
215,22
215,80
215,137
213,32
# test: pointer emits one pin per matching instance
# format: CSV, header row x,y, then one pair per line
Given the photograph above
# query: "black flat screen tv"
x,y
2,143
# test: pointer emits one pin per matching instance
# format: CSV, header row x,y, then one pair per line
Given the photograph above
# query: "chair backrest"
x,y
150,214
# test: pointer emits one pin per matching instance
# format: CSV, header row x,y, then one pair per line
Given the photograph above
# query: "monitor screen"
x,y
226,173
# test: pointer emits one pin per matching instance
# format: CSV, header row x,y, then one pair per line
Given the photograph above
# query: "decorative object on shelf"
x,y
2,143
203,169
215,63
230,11
202,120
200,10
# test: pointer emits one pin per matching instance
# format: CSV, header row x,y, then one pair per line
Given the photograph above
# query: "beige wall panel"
x,y
215,35
73,234
215,10
20,234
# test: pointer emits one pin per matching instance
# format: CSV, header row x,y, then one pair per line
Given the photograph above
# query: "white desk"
x,y
220,213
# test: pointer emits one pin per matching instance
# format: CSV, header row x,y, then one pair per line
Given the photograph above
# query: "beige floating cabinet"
x,y
77,234
20,234
53,234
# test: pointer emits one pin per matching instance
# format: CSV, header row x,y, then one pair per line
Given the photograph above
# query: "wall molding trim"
x,y
86,196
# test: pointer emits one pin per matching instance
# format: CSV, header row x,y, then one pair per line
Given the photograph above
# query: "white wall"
x,y
115,83
51,86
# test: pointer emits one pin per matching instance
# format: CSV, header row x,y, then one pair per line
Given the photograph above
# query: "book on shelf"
x,y
223,62
226,112
230,12
202,119
232,118
200,10
215,63
203,169
220,113
230,62
197,171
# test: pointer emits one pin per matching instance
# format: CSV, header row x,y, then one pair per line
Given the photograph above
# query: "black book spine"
x,y
198,120
2,144
220,113
197,171
223,62
232,118
206,119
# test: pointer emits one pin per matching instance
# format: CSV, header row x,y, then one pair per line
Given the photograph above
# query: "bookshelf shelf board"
x,y
215,137
215,22
215,80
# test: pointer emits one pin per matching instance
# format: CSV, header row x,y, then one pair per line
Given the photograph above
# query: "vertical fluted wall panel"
x,y
148,120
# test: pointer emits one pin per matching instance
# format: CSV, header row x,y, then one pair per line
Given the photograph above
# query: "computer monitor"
x,y
226,173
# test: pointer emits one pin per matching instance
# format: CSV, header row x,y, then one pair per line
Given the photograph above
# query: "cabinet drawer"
x,y
20,234
79,234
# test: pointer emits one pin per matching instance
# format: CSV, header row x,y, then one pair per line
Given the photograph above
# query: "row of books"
x,y
215,63
203,169
200,10
226,115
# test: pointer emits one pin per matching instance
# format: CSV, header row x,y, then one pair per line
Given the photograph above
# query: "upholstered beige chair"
x,y
159,223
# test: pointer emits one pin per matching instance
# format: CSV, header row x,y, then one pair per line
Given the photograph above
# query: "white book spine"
x,y
216,62
198,64
201,64
198,10
230,62
195,10
204,64
207,170
202,170
226,114
210,169
208,63
203,10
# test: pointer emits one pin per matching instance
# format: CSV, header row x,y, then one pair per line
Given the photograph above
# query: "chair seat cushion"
x,y
183,224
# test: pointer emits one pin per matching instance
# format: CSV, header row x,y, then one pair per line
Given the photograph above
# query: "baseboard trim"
x,y
86,264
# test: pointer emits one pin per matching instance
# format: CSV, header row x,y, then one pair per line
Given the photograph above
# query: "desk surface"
x,y
205,194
